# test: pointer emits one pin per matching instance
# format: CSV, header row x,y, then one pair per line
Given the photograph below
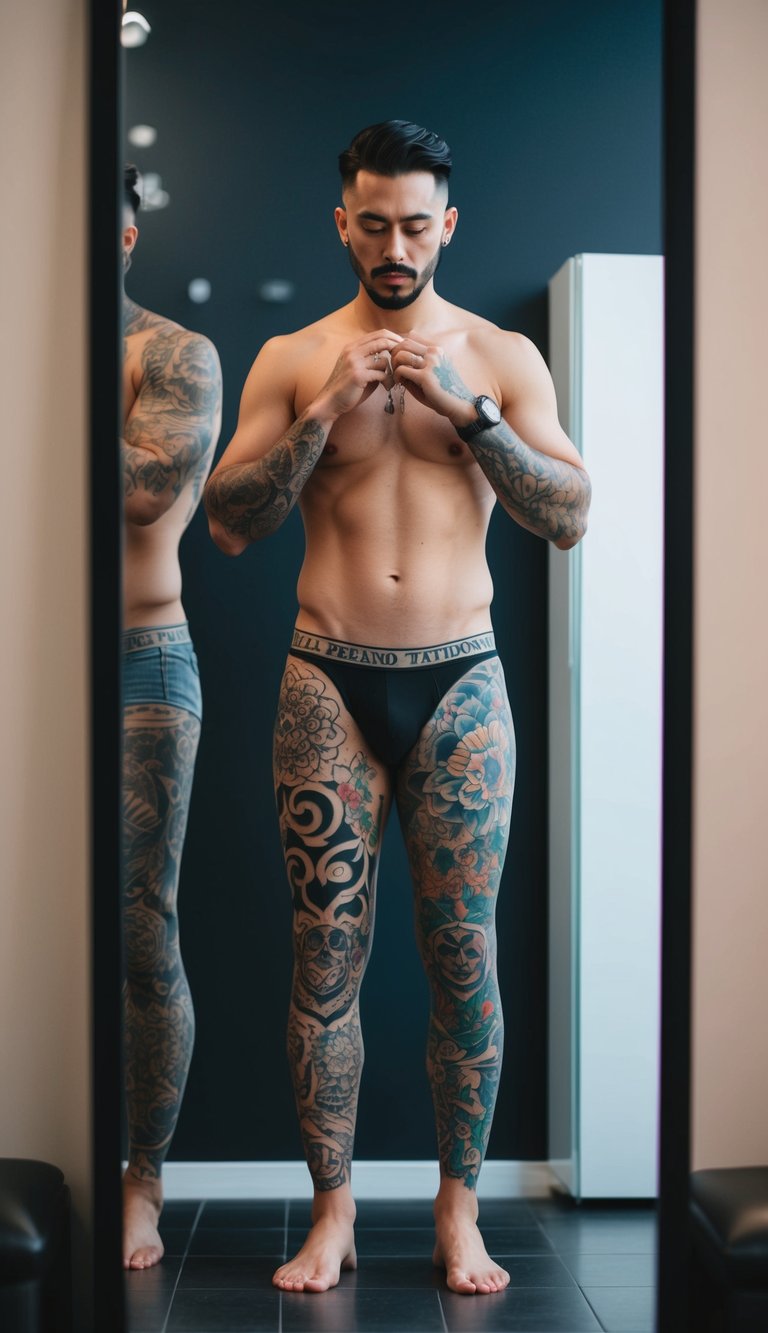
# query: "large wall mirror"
x,y
233,119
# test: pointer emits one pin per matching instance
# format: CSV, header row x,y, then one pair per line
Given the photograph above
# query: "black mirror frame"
x,y
105,153
679,238
105,503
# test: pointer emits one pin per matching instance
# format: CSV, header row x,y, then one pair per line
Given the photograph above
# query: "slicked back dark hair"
x,y
130,187
393,148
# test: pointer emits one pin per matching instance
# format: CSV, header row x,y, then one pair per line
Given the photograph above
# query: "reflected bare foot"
x,y
460,1248
329,1248
142,1205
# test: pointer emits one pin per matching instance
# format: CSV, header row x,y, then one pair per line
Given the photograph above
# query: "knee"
x,y
329,964
460,961
151,942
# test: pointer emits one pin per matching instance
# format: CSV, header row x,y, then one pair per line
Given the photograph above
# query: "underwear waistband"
x,y
360,654
155,636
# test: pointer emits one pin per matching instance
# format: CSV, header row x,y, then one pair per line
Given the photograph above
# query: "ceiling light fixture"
x,y
142,136
135,29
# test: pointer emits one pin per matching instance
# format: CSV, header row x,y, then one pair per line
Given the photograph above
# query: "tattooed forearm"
x,y
251,500
546,494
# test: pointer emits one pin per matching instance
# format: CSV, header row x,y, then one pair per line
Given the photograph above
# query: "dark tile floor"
x,y
574,1270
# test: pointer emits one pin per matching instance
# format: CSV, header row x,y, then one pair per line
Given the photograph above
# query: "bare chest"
x,y
390,424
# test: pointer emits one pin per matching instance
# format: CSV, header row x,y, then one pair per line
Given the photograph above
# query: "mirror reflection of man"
x,y
172,414
396,423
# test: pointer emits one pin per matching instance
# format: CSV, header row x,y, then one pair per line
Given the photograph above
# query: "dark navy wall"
x,y
553,111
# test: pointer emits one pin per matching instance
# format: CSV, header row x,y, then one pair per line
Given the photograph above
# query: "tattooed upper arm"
x,y
172,428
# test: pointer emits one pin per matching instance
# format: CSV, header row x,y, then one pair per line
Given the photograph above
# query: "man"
x,y
172,413
396,422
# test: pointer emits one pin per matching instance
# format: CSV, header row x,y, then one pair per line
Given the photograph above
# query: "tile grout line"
x,y
193,1228
285,1260
592,1308
442,1312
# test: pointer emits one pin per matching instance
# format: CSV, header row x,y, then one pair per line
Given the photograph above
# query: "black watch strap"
x,y
484,420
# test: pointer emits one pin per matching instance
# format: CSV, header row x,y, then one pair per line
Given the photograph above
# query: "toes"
x,y
317,1284
460,1281
289,1281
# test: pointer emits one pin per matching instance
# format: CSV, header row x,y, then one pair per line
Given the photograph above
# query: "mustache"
x,y
394,268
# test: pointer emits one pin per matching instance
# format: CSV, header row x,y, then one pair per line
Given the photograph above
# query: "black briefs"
x,y
392,692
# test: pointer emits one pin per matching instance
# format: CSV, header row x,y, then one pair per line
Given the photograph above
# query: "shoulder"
x,y
514,359
489,340
154,335
173,355
168,333
177,369
287,351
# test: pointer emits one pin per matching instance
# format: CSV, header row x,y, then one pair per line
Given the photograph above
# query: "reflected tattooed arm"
x,y
174,422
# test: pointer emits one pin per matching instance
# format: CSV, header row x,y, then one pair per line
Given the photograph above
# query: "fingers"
x,y
413,352
409,364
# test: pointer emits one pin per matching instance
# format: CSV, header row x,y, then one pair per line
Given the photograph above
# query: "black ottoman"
x,y
35,1272
729,1234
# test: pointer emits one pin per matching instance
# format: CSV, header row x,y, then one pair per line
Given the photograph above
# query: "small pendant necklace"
x,y
389,406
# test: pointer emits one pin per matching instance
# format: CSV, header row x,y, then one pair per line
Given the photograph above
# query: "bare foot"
x,y
460,1250
329,1247
142,1204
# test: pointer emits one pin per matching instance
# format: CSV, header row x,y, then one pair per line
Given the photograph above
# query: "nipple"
x,y
331,449
454,449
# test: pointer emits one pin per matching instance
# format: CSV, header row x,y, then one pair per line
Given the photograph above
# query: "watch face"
x,y
489,410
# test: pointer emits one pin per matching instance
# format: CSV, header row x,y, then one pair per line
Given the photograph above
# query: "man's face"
x,y
395,228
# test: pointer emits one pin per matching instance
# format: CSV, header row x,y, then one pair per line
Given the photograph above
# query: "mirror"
x,y
553,118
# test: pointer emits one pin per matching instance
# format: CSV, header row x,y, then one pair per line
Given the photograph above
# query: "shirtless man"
x,y
172,413
396,423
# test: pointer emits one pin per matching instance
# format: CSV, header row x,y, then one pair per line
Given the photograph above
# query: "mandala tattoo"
x,y
306,731
455,797
160,745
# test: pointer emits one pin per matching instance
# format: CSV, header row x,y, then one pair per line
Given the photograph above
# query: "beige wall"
x,y
44,917
730,1051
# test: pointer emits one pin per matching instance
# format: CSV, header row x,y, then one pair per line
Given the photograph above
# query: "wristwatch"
x,y
488,414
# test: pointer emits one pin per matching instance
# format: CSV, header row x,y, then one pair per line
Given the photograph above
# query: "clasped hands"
x,y
386,358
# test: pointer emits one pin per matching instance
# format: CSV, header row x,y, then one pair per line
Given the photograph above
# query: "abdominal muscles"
x,y
396,558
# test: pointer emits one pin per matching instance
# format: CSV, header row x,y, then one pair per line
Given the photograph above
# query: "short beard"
x,y
395,302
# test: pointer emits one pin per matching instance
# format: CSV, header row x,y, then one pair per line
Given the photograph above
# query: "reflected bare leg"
x,y
159,749
332,801
454,796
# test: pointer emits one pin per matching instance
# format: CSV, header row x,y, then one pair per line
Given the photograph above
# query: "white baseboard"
x,y
370,1180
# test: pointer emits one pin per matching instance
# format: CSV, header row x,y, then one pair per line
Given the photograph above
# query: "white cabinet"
x,y
605,684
